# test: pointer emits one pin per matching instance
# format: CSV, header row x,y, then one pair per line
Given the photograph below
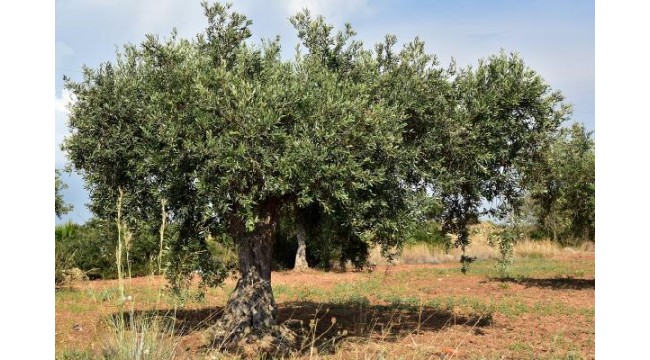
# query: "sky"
x,y
555,38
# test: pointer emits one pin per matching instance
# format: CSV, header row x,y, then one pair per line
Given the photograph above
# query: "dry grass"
x,y
536,249
421,253
140,337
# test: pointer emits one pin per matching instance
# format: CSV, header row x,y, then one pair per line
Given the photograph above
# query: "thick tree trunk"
x,y
249,315
301,253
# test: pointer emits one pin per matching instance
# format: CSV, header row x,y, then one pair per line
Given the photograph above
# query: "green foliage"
x,y
425,228
91,248
562,187
60,206
429,233
225,130
503,117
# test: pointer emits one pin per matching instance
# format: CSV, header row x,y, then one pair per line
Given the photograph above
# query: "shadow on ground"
x,y
554,283
183,321
359,321
325,324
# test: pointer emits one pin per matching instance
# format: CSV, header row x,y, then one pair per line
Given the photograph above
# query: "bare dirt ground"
x,y
544,309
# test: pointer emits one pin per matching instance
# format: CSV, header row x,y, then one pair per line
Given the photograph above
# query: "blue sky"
x,y
556,38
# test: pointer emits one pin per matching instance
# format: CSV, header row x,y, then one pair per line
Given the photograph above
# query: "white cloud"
x,y
62,103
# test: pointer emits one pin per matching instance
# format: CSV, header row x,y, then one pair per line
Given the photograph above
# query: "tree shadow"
x,y
181,321
554,283
325,325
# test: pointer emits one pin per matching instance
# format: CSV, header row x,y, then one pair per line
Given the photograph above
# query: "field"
x,y
543,308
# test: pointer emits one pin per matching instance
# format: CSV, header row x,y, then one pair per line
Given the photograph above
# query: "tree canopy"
x,y
228,133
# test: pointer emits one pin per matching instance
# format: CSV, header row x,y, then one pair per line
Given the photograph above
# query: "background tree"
x,y
562,187
231,136
60,206
503,117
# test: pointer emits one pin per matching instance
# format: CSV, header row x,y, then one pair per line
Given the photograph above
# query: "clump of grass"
x,y
140,336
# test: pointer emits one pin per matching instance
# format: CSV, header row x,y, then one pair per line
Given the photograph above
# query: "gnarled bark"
x,y
250,314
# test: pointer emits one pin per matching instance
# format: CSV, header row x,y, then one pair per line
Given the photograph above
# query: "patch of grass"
x,y
80,307
74,354
280,290
352,299
535,268
360,287
402,302
520,346
68,294
103,295
300,293
510,307
530,267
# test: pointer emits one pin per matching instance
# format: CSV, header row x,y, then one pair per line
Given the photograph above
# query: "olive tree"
x,y
504,117
227,134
